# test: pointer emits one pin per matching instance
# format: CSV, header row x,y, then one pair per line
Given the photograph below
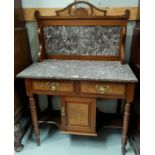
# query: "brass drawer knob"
x,y
53,86
102,89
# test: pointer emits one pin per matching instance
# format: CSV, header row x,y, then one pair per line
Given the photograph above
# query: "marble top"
x,y
79,70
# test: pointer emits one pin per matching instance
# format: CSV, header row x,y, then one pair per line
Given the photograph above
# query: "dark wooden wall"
x,y
135,65
22,59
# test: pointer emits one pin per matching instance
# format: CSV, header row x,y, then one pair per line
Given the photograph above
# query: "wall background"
x,y
34,43
63,3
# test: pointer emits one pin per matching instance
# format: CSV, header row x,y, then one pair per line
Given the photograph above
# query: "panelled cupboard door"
x,y
78,114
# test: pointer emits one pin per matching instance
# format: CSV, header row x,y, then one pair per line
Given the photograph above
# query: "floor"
x,y
55,143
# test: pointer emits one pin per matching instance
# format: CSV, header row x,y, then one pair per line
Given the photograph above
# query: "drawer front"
x,y
102,88
53,86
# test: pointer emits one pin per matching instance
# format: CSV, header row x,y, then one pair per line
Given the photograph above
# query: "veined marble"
x,y
79,70
82,40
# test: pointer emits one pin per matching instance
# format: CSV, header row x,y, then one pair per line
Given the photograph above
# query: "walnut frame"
x,y
82,17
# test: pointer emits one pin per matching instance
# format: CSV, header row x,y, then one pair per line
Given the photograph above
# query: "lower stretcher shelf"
x,y
103,120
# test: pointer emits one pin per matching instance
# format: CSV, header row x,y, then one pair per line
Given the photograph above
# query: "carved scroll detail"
x,y
70,11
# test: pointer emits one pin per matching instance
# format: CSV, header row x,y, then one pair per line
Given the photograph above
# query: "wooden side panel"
x,y
22,59
22,55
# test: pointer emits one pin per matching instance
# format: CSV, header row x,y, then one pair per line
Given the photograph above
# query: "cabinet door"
x,y
78,114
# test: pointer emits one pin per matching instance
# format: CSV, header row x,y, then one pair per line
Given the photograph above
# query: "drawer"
x,y
52,86
102,88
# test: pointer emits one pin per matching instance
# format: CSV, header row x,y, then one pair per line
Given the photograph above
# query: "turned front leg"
x,y
125,126
34,119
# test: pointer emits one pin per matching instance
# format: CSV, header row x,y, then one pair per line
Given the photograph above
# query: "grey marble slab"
x,y
79,70
82,40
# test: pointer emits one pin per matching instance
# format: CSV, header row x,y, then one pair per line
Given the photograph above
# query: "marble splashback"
x,y
82,40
